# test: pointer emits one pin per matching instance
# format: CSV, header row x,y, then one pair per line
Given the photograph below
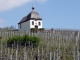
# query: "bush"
x,y
36,41
41,29
33,40
21,40
33,30
14,40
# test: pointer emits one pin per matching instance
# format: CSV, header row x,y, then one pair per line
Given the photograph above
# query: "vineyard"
x,y
57,45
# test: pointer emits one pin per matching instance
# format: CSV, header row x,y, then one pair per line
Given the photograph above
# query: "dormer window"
x,y
39,23
32,22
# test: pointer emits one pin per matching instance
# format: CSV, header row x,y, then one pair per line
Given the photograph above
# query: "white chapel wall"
x,y
26,26
35,23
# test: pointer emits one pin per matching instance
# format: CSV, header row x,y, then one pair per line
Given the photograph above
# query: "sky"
x,y
63,14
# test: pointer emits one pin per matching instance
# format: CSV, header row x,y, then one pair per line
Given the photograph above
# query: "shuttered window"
x,y
32,22
39,23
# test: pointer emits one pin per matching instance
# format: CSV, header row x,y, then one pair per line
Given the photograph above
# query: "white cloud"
x,y
2,22
9,4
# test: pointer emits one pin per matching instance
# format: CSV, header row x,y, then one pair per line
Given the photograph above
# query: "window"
x,y
39,23
32,22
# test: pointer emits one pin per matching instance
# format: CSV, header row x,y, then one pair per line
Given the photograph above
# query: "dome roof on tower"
x,y
33,15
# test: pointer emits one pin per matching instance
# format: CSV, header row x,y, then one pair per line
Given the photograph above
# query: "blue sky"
x,y
55,13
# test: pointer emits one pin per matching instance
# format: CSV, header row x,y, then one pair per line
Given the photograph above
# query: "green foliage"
x,y
35,40
14,39
41,29
33,30
29,40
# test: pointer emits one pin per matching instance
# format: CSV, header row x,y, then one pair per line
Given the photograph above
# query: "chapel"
x,y
32,20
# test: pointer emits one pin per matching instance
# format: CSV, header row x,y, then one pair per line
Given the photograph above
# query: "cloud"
x,y
9,4
2,22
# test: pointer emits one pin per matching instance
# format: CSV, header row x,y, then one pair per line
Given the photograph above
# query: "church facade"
x,y
32,20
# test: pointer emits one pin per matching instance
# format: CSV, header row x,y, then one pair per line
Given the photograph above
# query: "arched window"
x,y
39,23
32,22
